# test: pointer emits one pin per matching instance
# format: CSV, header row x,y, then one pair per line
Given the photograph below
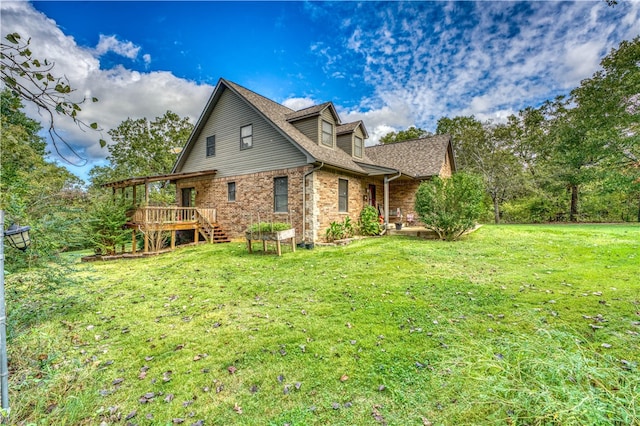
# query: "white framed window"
x,y
357,147
246,136
327,133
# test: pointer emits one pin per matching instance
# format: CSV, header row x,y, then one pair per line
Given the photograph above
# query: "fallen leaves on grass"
x,y
377,416
237,408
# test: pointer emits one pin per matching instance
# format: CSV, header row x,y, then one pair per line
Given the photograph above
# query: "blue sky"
x,y
391,64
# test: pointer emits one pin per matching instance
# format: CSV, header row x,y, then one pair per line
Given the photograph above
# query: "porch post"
x,y
133,241
388,179
146,193
386,202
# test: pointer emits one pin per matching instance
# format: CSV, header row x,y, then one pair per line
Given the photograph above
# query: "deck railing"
x,y
172,214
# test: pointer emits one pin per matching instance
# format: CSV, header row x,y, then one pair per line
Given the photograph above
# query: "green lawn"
x,y
511,325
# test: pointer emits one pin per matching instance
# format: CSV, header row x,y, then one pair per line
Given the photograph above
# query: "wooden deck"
x,y
154,222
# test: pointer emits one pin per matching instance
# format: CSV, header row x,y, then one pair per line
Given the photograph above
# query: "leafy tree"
x,y
469,137
596,129
503,175
31,80
488,151
526,133
450,206
143,148
405,135
34,191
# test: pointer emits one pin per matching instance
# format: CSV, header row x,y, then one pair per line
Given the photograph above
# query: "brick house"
x,y
252,159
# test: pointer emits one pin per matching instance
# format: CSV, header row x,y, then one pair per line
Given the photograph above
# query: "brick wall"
x,y
254,199
402,194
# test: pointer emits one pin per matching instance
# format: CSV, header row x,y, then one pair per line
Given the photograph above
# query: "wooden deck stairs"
x,y
214,234
150,221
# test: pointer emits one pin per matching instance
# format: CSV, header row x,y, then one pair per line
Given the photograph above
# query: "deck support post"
x,y
133,241
173,239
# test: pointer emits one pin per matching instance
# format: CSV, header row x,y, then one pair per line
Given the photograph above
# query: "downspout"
x,y
304,198
386,197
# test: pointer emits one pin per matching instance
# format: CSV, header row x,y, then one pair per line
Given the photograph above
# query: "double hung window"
x,y
281,195
327,133
246,136
343,195
211,146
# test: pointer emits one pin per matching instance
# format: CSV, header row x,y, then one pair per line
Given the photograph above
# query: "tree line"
x,y
573,158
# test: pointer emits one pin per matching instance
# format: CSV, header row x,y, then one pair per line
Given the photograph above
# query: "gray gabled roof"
x,y
419,158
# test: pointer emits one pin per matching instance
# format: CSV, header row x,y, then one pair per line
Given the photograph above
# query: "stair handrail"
x,y
205,223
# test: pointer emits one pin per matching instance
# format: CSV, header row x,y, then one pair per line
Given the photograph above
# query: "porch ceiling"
x,y
172,177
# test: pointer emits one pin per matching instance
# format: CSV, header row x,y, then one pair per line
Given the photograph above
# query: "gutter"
x,y
304,198
388,179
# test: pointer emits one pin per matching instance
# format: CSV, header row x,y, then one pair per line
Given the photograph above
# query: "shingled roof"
x,y
277,114
419,158
350,127
312,112
412,158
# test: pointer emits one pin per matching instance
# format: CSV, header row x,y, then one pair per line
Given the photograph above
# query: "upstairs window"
x,y
231,191
281,195
211,146
357,147
246,137
343,195
327,133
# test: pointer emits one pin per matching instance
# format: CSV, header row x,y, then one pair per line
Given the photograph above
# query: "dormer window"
x,y
357,147
327,133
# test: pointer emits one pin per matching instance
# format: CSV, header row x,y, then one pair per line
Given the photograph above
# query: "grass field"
x,y
525,325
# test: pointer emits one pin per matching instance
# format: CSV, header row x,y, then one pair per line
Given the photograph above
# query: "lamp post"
x,y
18,237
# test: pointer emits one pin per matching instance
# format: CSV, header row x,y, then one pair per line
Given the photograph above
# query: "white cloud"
x,y
298,103
112,44
122,92
488,59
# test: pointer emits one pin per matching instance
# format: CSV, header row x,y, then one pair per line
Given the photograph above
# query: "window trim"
x,y
357,145
244,146
211,147
343,199
322,133
229,192
276,195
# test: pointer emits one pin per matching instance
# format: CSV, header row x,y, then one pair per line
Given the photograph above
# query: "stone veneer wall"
x,y
254,199
446,170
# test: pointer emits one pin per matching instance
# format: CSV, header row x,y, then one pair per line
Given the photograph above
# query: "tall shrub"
x,y
107,218
369,223
450,206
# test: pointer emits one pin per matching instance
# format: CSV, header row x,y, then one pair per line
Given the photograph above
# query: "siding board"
x,y
310,127
270,149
